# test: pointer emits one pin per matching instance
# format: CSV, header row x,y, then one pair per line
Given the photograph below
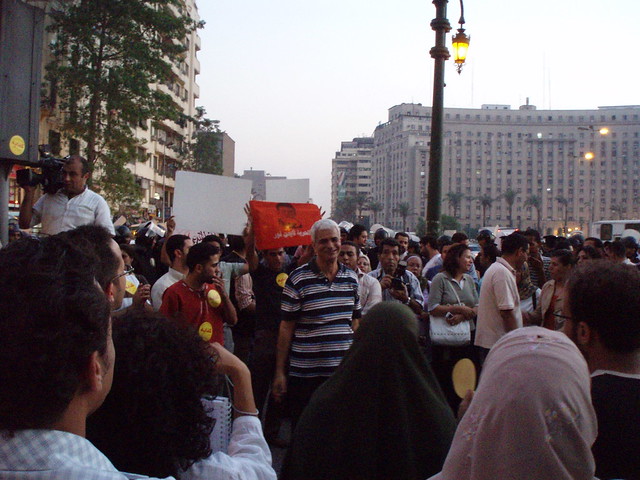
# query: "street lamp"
x,y
440,53
590,157
460,43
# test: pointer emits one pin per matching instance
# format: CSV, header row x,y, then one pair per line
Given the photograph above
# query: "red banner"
x,y
283,224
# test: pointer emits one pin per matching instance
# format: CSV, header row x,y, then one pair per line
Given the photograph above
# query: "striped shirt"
x,y
323,311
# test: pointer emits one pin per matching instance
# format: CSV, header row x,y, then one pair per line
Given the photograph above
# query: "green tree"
x,y
534,201
375,207
448,222
107,55
510,196
404,210
421,227
565,214
360,200
206,154
485,202
454,199
345,210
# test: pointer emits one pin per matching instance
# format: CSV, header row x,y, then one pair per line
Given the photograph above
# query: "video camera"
x,y
51,172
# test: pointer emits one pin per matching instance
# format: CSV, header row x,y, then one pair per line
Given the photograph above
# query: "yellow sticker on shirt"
x,y
281,279
214,299
131,287
205,331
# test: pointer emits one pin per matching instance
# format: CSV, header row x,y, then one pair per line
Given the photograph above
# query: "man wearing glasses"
x,y
200,299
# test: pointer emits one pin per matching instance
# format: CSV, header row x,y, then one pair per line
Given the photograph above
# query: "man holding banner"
x,y
320,310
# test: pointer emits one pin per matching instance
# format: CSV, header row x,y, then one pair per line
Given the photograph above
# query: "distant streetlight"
x,y
589,156
440,54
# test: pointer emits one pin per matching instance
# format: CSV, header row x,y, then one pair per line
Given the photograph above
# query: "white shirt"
x,y
164,282
433,261
498,292
56,455
59,213
369,290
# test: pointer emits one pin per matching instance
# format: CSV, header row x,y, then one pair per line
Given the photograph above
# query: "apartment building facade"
x,y
581,165
351,171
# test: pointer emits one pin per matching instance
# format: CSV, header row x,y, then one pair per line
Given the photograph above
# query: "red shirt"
x,y
181,302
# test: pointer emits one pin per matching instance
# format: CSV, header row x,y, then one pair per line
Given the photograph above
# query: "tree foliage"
x,y
534,201
485,202
421,227
375,207
447,222
206,151
510,196
107,57
404,210
345,210
455,200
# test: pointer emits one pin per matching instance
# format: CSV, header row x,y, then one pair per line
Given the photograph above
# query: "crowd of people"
x,y
110,345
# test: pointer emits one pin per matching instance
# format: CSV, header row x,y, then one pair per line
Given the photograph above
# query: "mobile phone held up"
x,y
396,282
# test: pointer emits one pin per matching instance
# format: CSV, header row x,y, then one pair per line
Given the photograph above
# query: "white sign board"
x,y
205,203
290,191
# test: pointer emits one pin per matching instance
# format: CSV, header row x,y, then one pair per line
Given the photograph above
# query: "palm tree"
x,y
454,199
404,210
375,207
536,202
565,204
360,200
345,209
485,202
510,196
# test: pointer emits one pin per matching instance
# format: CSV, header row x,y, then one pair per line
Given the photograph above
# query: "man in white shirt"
x,y
499,307
177,247
71,206
369,288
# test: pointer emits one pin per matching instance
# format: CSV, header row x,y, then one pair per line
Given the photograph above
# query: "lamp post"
x,y
440,53
164,177
590,157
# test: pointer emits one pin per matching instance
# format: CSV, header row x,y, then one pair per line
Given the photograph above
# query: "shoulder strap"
x,y
454,291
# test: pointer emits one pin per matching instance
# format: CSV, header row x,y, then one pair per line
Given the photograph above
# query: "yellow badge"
x,y
17,145
214,299
281,279
205,331
131,287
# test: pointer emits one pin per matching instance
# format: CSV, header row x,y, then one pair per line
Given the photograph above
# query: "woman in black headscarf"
x,y
382,413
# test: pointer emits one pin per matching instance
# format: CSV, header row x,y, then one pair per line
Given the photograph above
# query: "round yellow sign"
x,y
17,145
131,287
214,298
205,331
281,279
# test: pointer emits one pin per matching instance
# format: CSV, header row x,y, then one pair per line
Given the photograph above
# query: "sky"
x,y
289,79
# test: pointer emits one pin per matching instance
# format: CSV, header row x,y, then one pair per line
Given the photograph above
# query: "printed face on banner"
x,y
279,225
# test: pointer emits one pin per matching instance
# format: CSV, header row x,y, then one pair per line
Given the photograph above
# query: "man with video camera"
x,y
397,283
71,206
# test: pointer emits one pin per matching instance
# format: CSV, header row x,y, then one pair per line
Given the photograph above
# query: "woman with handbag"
x,y
453,304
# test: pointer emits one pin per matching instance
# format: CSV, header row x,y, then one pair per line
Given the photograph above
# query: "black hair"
x,y
389,242
596,241
153,422
604,295
175,242
401,234
532,232
213,238
617,249
564,256
96,240
514,242
450,263
86,166
46,343
591,252
356,231
352,244
430,240
562,244
443,242
459,237
380,234
200,254
236,243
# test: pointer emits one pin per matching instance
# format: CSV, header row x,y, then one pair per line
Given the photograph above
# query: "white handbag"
x,y
444,334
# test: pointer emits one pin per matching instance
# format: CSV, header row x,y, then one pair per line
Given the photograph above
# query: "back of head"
x,y
617,250
444,240
606,297
629,242
153,422
53,317
383,403
459,237
533,233
430,240
97,241
565,257
531,416
236,243
200,254
380,234
512,243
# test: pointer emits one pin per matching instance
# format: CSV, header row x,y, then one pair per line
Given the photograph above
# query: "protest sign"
x,y
285,190
210,203
283,224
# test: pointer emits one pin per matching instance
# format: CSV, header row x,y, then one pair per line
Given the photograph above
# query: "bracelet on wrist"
x,y
241,412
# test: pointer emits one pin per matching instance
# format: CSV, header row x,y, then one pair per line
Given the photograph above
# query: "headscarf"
x,y
531,417
382,413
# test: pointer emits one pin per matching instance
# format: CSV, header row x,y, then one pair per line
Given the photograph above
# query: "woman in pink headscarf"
x,y
531,417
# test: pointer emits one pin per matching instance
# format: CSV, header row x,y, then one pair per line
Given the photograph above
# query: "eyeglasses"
x,y
562,317
127,271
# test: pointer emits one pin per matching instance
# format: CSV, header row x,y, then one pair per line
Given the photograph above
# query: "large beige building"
x,y
537,153
351,171
162,145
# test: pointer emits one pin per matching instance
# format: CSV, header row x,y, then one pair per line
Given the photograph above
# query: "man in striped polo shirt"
x,y
320,310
